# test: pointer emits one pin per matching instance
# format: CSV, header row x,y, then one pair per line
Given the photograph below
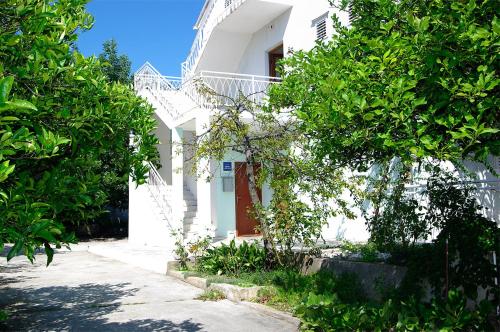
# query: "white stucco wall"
x,y
146,225
165,150
255,59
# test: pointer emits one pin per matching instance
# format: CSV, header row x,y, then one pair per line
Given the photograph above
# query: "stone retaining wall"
x,y
374,277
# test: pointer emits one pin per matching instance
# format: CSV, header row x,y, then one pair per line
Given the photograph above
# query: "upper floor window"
x,y
320,25
227,3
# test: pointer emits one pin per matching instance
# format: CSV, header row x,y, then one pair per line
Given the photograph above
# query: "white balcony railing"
x,y
208,90
156,82
216,11
161,192
222,89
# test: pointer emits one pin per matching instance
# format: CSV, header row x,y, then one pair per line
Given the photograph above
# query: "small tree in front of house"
x,y
270,138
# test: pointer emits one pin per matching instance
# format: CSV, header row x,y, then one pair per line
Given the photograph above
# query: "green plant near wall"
x,y
409,79
470,236
464,235
328,313
233,259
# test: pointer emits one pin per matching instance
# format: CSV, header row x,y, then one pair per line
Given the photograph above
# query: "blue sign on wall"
x,y
227,166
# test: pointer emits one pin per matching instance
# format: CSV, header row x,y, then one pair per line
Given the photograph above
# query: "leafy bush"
x,y
61,124
471,237
232,259
329,313
180,251
368,251
346,286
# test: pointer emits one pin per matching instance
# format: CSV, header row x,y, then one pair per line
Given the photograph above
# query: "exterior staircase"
x,y
190,226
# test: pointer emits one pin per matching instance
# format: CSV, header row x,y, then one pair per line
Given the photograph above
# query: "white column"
x,y
205,199
177,178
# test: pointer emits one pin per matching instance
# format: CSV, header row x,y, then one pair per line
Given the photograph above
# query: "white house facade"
x,y
237,45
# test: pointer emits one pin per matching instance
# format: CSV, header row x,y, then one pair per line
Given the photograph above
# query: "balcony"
x,y
211,89
239,16
207,90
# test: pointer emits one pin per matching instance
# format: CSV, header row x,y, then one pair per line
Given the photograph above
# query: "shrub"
x,y
329,313
232,259
182,255
368,251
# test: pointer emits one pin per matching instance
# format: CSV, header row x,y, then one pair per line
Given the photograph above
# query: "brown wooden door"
x,y
273,63
275,55
245,225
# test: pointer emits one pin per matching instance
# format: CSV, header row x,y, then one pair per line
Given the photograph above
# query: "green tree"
x,y
410,79
58,116
114,165
116,67
410,83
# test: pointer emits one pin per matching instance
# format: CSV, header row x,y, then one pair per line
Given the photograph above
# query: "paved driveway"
x,y
80,291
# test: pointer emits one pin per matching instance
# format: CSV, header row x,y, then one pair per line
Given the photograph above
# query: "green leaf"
x,y
8,118
17,105
5,87
6,170
18,246
419,101
49,252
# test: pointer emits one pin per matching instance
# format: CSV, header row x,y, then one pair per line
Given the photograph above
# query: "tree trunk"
x,y
256,201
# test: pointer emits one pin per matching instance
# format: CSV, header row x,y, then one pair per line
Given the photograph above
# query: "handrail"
x,y
236,75
220,88
160,191
172,111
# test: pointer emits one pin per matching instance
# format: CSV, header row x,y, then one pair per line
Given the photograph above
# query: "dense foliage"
x,y
59,116
114,167
409,79
326,301
324,312
232,259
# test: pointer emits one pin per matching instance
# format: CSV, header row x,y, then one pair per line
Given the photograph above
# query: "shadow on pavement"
x,y
79,308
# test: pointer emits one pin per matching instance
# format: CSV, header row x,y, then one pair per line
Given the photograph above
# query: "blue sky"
x,y
158,31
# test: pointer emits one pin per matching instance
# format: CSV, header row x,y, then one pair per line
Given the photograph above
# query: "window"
x,y
320,26
227,3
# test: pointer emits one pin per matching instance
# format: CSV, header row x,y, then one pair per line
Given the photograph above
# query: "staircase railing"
x,y
156,82
161,192
159,86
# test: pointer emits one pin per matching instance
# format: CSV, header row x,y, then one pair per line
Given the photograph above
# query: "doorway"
x,y
245,224
275,55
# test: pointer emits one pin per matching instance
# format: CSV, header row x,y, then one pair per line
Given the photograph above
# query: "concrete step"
x,y
189,214
188,197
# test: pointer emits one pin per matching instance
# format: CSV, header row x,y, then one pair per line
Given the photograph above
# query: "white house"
x,y
237,45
